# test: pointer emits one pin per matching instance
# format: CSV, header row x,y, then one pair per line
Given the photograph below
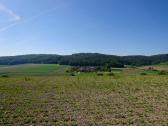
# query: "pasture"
x,y
126,98
32,69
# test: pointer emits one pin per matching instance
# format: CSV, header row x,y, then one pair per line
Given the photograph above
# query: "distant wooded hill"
x,y
85,59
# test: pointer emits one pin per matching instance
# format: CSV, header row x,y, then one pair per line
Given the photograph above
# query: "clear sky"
x,y
119,27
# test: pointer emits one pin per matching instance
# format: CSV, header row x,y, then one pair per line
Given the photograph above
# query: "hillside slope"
x,y
85,59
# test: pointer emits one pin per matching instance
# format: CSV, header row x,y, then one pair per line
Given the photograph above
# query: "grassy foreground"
x,y
84,100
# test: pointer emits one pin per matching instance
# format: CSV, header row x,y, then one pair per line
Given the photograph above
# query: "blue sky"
x,y
119,27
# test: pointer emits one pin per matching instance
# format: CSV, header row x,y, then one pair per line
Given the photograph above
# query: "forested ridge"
x,y
85,59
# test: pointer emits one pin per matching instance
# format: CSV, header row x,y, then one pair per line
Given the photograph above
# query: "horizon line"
x,y
82,53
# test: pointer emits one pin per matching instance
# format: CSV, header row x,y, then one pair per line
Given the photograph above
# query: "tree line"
x,y
85,59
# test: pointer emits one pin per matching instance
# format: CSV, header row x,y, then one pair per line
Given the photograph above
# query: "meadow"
x,y
43,96
32,69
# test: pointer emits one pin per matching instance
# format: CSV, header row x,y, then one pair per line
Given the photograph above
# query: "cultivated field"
x,y
162,66
125,98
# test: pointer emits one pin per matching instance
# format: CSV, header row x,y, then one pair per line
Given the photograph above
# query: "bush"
x,y
143,73
27,79
67,71
5,76
162,72
110,74
72,74
99,74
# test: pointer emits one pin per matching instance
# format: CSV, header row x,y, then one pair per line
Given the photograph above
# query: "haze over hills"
x,y
85,59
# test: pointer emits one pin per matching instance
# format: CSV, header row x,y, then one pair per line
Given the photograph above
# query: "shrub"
x,y
72,74
67,71
143,73
110,74
99,74
27,79
162,72
5,76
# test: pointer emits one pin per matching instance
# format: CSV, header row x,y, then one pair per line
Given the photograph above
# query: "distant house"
x,y
85,68
150,68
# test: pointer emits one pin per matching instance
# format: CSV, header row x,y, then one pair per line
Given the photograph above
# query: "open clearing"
x,y
32,69
123,99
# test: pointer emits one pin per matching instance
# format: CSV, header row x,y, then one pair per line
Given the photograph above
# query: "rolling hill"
x,y
84,59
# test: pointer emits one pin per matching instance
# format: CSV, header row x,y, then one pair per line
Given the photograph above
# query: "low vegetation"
x,y
84,100
5,76
110,74
100,74
120,97
162,72
33,69
143,73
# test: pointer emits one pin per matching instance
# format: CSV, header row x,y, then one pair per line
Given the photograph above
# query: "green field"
x,y
126,98
32,69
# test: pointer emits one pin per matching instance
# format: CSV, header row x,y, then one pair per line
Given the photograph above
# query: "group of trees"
x,y
91,59
85,59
